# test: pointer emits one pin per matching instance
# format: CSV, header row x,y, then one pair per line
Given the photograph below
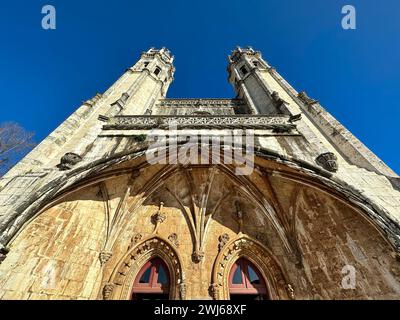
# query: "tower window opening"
x,y
255,63
157,71
146,64
243,70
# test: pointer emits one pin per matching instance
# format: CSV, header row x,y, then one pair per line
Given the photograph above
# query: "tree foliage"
x,y
15,142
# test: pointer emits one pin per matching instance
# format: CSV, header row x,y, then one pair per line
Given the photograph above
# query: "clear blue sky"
x,y
45,75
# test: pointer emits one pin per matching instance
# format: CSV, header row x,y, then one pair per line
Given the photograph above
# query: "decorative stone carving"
x,y
173,237
295,118
125,272
121,101
197,256
159,217
107,291
328,161
261,257
239,215
182,289
214,121
69,160
135,239
213,291
306,99
278,101
200,102
282,129
3,253
223,240
104,256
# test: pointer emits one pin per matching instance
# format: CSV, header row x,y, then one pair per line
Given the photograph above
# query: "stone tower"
x,y
87,214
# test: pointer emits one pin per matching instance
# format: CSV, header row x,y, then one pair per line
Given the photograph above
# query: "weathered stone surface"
x,y
85,232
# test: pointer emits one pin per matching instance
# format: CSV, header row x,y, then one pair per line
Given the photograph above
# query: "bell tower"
x,y
152,73
246,74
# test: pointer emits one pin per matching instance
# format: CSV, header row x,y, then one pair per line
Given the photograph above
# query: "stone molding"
x,y
261,257
278,122
119,286
207,102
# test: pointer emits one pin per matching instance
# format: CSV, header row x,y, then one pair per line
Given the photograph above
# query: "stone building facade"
x,y
85,213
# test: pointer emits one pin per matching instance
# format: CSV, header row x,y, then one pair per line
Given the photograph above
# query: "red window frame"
x,y
152,286
246,287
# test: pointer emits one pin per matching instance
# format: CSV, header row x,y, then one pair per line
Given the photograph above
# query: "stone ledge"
x,y
278,123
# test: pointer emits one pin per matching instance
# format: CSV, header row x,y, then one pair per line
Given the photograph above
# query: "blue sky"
x,y
45,75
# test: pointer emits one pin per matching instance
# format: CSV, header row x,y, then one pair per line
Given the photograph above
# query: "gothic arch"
x,y
119,285
95,172
254,251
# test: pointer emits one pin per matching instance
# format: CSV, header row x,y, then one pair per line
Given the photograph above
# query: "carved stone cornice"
x,y
200,102
279,123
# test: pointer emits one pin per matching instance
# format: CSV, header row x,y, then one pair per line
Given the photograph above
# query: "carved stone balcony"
x,y
278,123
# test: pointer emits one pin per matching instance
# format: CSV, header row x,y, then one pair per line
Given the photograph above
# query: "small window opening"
x,y
157,71
243,70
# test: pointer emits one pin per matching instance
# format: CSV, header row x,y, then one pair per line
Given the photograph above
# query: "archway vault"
x,y
267,163
276,191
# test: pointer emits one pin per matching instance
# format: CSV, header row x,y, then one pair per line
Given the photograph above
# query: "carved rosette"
x,y
69,160
328,161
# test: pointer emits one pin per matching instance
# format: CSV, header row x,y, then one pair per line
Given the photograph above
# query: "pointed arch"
x,y
261,257
119,285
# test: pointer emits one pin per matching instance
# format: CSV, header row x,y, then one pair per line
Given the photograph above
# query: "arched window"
x,y
152,281
246,282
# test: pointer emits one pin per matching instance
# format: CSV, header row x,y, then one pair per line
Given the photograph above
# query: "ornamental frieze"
x,y
280,123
